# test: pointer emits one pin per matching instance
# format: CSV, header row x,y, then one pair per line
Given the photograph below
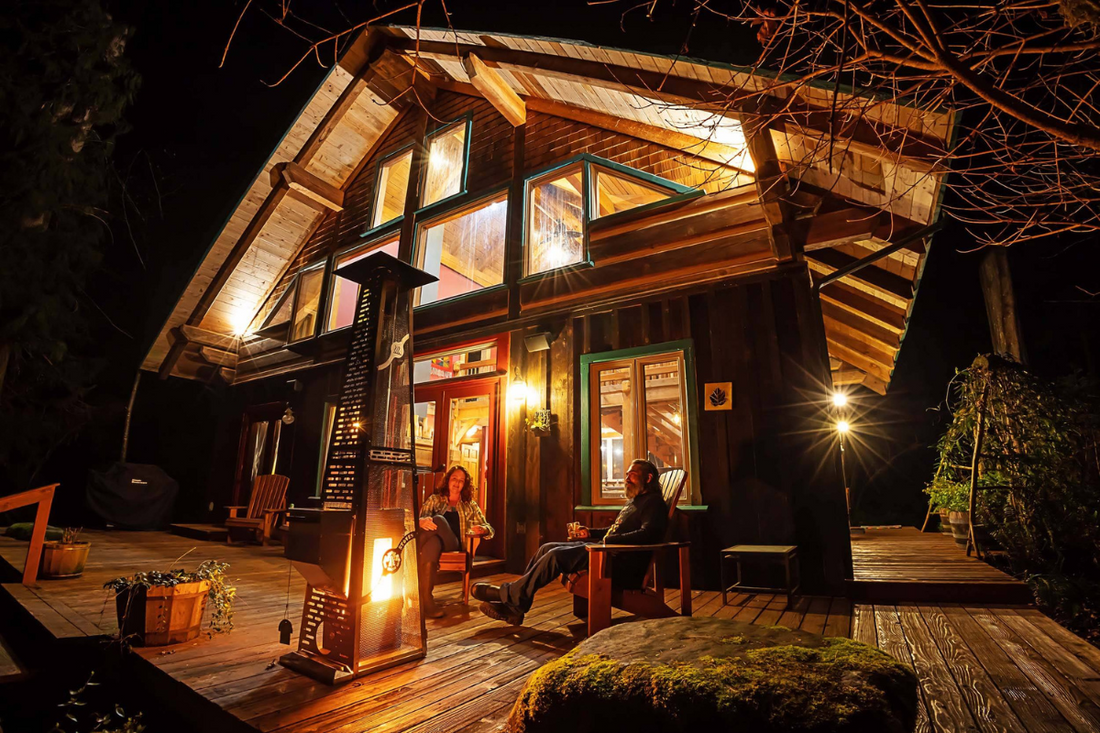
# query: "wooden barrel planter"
x,y
945,523
160,615
960,527
60,560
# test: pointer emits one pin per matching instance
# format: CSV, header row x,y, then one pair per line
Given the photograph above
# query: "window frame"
x,y
328,430
371,226
450,215
290,292
376,243
321,265
678,192
490,343
590,499
467,120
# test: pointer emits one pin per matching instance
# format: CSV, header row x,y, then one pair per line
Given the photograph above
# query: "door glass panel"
x,y
425,433
664,414
467,443
617,420
555,215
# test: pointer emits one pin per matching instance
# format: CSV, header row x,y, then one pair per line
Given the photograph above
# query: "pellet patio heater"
x,y
362,608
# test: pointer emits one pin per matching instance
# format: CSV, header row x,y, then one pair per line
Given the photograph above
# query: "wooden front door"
x,y
258,449
459,425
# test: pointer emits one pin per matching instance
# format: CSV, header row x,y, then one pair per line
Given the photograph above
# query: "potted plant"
x,y
157,608
64,558
952,497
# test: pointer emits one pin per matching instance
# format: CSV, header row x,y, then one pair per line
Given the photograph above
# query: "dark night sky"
x,y
200,133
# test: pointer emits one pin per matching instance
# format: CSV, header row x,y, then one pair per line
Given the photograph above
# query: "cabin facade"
x,y
626,269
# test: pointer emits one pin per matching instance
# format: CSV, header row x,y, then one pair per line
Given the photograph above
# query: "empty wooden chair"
x,y
593,593
267,502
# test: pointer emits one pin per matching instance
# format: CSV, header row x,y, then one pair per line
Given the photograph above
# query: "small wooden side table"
x,y
787,555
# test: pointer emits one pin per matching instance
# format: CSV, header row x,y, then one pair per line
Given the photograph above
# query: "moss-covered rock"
x,y
704,674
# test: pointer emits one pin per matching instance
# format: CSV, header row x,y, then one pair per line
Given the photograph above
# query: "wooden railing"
x,y
43,496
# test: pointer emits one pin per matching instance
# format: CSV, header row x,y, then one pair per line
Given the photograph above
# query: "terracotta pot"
x,y
63,561
960,527
159,615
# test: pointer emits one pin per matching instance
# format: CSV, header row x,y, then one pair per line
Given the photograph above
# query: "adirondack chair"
x,y
267,502
593,593
461,561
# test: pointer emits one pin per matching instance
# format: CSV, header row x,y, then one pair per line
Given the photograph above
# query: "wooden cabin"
x,y
623,272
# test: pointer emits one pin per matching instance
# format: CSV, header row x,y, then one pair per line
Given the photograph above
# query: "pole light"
x,y
839,399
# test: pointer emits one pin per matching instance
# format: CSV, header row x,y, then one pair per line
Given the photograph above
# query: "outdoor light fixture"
x,y
840,399
363,608
539,341
843,427
517,391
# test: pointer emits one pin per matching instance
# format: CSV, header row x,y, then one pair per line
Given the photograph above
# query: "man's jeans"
x,y
552,559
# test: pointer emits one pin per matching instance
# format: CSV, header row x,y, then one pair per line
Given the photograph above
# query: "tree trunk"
x,y
1000,304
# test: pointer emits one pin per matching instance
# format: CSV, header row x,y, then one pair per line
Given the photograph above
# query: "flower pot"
x,y
160,615
945,522
63,561
960,527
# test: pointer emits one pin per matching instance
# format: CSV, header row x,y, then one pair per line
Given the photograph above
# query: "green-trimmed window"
x,y
463,248
344,294
391,188
307,304
445,175
638,406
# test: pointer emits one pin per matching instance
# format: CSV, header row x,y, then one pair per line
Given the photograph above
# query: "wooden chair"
x,y
593,593
460,561
267,502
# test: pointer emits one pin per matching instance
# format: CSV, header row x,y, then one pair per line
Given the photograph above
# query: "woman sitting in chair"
x,y
448,516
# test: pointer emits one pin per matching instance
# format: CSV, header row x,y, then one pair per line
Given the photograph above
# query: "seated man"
x,y
641,522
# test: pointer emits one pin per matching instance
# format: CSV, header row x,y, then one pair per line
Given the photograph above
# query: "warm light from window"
x,y
840,399
676,418
843,427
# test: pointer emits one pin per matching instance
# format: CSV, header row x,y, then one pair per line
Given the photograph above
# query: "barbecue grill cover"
x,y
132,495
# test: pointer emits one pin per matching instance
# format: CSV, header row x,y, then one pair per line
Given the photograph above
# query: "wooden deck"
x,y
909,565
981,668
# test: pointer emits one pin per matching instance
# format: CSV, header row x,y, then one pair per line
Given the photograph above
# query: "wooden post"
x,y
43,496
974,467
1000,304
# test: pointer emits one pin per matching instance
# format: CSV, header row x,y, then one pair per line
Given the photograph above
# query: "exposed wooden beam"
x,y
860,356
840,227
203,337
332,119
772,184
875,384
310,186
857,301
872,275
493,87
218,357
398,83
846,376
855,325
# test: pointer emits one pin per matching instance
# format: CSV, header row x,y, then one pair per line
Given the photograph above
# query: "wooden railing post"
x,y
43,496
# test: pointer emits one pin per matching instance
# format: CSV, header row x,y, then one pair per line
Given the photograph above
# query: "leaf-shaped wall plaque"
x,y
718,396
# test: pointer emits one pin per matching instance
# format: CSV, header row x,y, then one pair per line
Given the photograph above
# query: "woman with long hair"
x,y
447,517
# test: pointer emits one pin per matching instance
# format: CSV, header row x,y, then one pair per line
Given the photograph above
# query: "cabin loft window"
x,y
464,249
446,168
307,303
344,294
464,362
638,409
614,193
555,220
391,189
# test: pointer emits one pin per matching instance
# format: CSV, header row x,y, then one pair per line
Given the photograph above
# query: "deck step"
x,y
209,532
890,592
10,668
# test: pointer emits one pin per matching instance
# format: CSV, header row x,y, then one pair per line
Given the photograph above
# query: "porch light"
x,y
843,427
517,391
840,399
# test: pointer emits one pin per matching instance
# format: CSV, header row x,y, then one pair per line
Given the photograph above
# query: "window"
x,y
445,175
470,360
637,408
464,249
614,193
562,202
279,312
555,220
307,304
391,188
344,294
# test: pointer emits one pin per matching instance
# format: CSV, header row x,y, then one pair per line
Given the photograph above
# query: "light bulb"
x,y
843,427
840,399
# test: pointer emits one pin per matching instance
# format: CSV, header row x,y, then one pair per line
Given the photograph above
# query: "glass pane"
x,y
446,153
393,185
309,298
555,215
475,360
467,443
344,294
664,413
326,442
617,430
425,432
616,193
466,252
392,378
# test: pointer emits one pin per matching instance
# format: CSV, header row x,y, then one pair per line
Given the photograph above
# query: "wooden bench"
x,y
267,502
593,593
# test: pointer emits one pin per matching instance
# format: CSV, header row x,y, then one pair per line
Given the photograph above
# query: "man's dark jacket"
x,y
642,521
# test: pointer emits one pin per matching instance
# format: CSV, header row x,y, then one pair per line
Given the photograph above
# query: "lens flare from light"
x,y
843,427
840,399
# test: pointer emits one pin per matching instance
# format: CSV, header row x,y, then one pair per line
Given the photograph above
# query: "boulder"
x,y
706,674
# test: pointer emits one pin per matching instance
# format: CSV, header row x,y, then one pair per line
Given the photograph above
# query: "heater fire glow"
x,y
362,609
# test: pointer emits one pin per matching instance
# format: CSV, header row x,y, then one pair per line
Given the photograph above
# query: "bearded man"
x,y
641,522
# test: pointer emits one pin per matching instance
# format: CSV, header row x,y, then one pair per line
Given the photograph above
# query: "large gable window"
x,y
445,175
307,303
639,407
391,188
562,202
464,249
344,294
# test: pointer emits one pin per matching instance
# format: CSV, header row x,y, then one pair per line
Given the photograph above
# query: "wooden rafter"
x,y
837,227
839,320
489,82
871,275
312,188
859,302
862,357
